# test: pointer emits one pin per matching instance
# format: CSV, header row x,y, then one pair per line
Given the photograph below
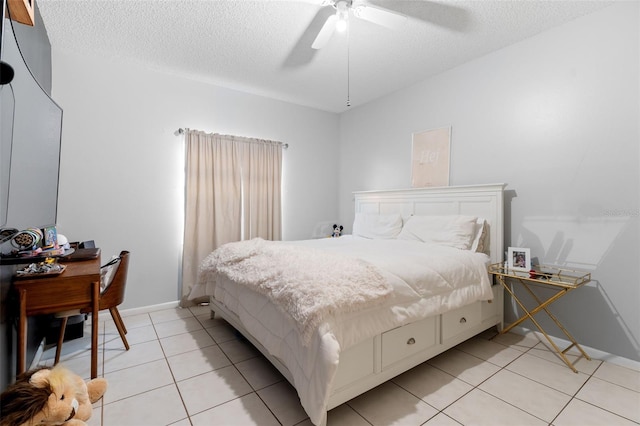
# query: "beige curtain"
x,y
261,182
232,193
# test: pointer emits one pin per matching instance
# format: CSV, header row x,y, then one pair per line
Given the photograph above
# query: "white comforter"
x,y
426,279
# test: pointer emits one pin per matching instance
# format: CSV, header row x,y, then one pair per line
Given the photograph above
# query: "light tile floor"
x,y
184,368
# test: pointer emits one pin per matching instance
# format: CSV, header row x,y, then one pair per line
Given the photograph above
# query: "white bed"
x,y
342,355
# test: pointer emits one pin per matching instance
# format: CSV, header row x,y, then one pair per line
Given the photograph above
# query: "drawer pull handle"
x,y
411,341
463,320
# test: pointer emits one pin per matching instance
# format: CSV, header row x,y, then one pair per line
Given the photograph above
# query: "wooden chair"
x,y
110,297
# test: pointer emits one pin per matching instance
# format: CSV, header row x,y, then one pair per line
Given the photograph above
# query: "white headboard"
x,y
484,201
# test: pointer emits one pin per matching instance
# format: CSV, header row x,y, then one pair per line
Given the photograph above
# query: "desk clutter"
x,y
46,267
32,242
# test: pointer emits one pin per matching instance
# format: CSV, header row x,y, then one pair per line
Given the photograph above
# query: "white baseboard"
x,y
150,308
125,312
593,353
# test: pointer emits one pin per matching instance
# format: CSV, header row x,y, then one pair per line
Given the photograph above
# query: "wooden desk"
x,y
78,287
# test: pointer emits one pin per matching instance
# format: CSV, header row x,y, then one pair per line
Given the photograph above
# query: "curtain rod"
x,y
181,132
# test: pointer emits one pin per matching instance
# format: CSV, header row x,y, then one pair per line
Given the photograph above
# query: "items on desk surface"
x,y
77,254
32,243
47,267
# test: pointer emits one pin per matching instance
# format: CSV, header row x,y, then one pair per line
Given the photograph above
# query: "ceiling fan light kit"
x,y
342,12
340,20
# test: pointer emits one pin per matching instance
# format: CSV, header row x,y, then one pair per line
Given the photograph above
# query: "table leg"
x,y
530,313
543,306
94,329
22,332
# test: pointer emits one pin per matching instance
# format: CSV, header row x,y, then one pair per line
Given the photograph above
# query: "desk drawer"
x,y
408,340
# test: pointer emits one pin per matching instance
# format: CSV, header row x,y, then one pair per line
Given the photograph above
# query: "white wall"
x,y
556,118
121,179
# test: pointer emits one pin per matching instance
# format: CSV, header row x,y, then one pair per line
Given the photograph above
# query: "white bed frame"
x,y
382,357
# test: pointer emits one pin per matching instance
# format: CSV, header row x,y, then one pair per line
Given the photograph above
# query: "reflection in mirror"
x,y
7,103
30,145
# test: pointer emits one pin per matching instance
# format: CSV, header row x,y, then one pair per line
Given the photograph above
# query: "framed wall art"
x,y
430,158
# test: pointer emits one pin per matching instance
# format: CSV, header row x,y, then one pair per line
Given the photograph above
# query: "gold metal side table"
x,y
562,281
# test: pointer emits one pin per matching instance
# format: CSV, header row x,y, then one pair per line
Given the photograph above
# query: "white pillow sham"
x,y
377,226
480,242
454,231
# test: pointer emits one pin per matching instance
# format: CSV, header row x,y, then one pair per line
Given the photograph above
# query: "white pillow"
x,y
377,226
480,243
454,231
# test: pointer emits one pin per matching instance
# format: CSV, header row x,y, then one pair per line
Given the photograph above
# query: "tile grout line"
x,y
529,351
544,384
173,377
592,375
477,387
501,368
104,329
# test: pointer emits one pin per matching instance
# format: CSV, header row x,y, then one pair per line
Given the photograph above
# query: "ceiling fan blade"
x,y
325,32
379,16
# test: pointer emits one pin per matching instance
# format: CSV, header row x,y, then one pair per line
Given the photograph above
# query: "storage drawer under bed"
x,y
408,340
471,316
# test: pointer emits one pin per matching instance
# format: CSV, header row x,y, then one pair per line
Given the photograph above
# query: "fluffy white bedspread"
x,y
426,280
308,284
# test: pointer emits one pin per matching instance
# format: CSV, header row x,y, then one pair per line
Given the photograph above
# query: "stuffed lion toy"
x,y
50,396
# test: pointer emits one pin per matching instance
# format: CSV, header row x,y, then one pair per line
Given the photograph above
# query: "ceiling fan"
x,y
340,20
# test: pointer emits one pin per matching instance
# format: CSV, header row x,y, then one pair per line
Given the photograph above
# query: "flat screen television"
x,y
30,132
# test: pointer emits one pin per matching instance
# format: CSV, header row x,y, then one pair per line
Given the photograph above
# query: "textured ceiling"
x,y
264,46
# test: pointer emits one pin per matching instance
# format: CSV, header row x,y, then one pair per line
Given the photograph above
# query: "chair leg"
x,y
115,314
117,319
124,328
63,327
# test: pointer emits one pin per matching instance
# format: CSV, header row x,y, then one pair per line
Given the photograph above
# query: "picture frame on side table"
x,y
519,259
